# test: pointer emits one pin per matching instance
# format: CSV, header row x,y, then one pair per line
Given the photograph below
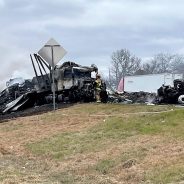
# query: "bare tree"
x,y
160,63
123,63
150,67
164,62
177,64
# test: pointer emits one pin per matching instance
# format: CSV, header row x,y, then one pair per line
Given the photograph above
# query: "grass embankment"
x,y
114,146
94,143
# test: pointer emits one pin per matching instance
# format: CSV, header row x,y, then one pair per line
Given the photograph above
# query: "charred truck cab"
x,y
74,82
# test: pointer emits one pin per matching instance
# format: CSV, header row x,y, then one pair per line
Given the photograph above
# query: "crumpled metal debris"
x,y
171,95
15,89
132,97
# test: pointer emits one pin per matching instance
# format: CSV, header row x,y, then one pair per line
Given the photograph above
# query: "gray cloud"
x,y
89,30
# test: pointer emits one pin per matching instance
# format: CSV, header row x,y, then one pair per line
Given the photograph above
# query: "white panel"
x,y
149,83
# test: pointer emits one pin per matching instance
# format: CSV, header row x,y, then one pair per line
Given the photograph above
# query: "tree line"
x,y
123,63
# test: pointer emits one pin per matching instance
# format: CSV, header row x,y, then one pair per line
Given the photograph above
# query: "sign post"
x,y
52,53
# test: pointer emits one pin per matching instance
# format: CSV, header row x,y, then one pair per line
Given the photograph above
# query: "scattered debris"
x,y
172,95
133,97
129,163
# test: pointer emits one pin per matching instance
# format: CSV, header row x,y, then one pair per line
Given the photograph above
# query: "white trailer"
x,y
147,83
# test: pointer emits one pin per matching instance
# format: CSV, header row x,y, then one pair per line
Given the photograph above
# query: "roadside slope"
x,y
94,143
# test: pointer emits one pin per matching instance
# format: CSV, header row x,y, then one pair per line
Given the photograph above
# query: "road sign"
x,y
52,53
46,52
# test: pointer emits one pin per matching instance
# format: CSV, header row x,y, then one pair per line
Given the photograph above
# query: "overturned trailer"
x,y
72,83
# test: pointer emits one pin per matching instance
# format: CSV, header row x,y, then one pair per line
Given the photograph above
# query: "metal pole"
x,y
53,82
35,70
52,73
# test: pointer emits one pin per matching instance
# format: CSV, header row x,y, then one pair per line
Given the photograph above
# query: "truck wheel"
x,y
181,99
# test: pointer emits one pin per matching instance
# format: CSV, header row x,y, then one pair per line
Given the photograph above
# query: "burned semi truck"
x,y
72,83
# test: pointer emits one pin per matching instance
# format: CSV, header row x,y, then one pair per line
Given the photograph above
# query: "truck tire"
x,y
181,99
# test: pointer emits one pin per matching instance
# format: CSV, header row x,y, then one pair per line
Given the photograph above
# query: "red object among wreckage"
x,y
121,86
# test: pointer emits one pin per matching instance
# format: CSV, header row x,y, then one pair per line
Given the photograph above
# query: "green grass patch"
x,y
11,127
170,123
66,144
113,129
62,177
104,166
168,174
117,108
10,173
138,154
52,117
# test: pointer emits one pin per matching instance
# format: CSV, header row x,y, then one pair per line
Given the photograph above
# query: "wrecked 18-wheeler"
x,y
72,82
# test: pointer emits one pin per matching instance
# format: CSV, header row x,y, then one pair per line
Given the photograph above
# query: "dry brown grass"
x,y
96,148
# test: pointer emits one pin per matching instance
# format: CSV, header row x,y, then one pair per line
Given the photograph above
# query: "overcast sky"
x,y
90,30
